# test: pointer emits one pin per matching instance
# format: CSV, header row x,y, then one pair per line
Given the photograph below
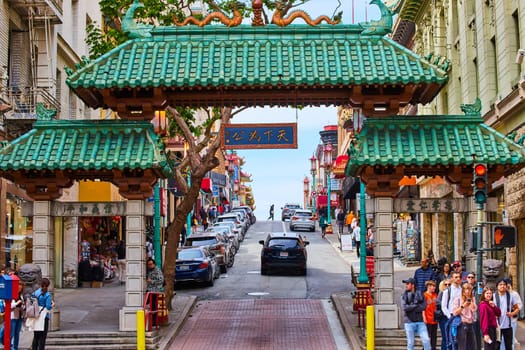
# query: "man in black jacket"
x,y
413,304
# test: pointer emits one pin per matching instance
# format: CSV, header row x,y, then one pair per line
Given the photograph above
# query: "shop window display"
x,y
17,247
99,237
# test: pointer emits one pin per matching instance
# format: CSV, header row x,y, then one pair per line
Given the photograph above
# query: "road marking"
x,y
255,272
257,294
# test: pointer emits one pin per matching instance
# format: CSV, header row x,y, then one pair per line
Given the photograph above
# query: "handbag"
x,y
498,333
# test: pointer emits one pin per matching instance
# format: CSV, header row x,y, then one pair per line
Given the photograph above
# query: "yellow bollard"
x,y
370,327
141,331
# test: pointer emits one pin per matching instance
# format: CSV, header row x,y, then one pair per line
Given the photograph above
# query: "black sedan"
x,y
283,250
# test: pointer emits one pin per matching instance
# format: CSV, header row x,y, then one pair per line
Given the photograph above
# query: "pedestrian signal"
x,y
480,184
504,236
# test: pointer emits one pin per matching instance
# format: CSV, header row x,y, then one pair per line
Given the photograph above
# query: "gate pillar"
x,y
135,264
386,309
43,249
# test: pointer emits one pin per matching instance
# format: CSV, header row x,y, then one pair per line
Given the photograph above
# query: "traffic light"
x,y
504,236
480,184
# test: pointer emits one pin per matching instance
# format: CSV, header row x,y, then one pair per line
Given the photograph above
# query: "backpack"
x,y
32,310
340,216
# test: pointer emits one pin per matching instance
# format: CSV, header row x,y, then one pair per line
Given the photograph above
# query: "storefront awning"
x,y
339,166
206,185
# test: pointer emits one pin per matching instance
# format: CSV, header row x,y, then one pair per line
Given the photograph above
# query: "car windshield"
x,y
190,254
202,241
285,243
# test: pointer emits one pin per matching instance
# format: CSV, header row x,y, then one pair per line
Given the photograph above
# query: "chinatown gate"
x,y
236,65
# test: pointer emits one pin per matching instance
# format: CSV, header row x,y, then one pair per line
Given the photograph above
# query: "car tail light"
x,y
295,217
311,218
267,250
203,265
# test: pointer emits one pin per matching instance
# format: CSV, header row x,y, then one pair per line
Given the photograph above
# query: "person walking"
x,y
322,224
348,221
428,315
154,285
271,212
45,303
356,233
465,306
489,313
121,261
413,304
423,274
340,220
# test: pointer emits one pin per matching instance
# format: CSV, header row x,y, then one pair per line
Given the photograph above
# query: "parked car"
x,y
283,250
196,265
286,211
233,217
302,218
217,243
249,211
226,229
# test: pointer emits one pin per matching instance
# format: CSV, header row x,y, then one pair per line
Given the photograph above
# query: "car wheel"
x,y
312,229
292,228
303,272
264,271
211,279
224,269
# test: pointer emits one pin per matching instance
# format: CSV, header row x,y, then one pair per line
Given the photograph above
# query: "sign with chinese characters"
x,y
250,136
62,209
430,205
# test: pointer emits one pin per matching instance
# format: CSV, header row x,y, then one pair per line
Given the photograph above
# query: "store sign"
x,y
63,209
430,205
250,136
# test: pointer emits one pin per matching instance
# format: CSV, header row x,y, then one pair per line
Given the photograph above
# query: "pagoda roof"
x,y
109,150
433,145
258,66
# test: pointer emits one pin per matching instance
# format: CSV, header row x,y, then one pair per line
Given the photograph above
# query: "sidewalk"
x,y
343,302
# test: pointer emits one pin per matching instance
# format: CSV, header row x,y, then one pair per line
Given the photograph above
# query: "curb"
x,y
174,328
346,322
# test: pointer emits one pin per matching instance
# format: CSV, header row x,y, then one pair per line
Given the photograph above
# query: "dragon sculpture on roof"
x,y
279,19
382,26
135,30
234,21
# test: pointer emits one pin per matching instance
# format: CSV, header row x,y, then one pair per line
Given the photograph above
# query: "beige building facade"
x,y
484,41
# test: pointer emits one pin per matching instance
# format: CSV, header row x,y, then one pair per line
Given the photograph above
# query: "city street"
x,y
276,310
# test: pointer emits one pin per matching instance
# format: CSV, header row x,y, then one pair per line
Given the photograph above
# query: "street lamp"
x,y
313,170
327,155
306,189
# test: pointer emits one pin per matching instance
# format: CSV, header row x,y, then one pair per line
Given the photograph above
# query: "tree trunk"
x,y
173,233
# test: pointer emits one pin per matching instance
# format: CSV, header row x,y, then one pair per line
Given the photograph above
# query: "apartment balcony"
x,y
22,112
40,10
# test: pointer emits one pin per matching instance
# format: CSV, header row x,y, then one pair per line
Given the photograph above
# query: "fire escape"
x,y
31,76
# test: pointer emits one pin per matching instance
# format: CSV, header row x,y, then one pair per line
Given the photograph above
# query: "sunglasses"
x,y
447,284
470,276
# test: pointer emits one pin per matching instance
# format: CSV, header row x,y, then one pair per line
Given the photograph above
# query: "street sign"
x,y
257,136
504,236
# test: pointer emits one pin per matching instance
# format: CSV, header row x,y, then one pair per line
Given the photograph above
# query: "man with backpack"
x,y
413,304
340,220
506,303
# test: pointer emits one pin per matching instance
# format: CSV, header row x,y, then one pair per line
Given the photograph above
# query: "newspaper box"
x,y
8,287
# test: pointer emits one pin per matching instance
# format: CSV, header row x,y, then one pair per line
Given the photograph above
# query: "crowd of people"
x,y
38,324
468,318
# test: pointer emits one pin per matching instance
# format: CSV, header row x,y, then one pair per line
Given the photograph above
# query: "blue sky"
x,y
278,174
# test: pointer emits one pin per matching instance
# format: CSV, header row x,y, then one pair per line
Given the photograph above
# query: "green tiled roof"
x,y
86,145
217,56
429,141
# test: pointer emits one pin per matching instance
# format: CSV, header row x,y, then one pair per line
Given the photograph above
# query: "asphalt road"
x,y
276,310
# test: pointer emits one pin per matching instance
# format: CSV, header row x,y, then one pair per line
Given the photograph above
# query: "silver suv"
x,y
286,212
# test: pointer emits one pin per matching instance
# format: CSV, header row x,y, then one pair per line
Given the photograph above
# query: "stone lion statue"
x,y
30,276
492,271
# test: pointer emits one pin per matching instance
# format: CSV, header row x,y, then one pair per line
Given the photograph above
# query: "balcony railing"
x,y
43,9
23,102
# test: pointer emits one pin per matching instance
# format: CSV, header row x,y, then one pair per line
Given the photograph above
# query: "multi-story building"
x,y
38,40
483,41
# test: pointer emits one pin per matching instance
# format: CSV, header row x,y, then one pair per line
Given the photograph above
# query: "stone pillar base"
x,y
386,316
128,318
55,320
